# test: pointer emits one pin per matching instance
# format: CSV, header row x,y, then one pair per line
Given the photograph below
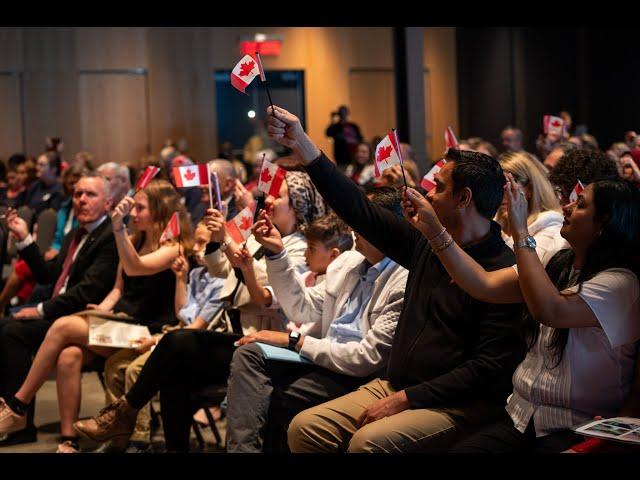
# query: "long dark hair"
x,y
617,207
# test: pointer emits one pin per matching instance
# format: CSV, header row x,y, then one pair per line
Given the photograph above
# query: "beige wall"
x,y
52,64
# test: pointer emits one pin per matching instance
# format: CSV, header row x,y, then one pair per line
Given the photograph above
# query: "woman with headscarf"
x,y
185,361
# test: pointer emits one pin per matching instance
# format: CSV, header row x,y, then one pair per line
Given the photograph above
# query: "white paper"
x,y
622,429
110,333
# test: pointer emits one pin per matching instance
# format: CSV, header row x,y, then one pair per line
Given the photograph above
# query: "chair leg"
x,y
196,430
212,424
101,378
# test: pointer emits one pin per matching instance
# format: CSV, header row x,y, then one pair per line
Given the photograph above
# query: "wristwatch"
x,y
294,338
526,242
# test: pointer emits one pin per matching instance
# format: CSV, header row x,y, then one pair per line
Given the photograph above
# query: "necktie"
x,y
66,266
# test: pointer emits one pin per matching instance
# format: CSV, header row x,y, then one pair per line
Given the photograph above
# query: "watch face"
x,y
531,242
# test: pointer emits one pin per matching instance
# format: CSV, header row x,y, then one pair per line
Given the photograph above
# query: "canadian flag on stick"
x,y
387,154
145,179
577,190
450,140
428,181
245,71
553,125
239,227
172,230
271,178
191,176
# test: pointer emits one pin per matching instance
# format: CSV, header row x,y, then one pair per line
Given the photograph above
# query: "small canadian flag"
x,y
145,179
172,230
387,154
271,178
553,125
191,176
239,227
428,181
245,71
577,190
450,140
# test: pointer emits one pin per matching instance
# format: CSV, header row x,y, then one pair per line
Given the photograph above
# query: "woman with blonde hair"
x,y
143,292
544,218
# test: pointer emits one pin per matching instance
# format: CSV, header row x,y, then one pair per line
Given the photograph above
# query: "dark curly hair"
x,y
582,164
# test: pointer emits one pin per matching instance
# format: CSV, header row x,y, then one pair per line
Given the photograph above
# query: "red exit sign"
x,y
267,47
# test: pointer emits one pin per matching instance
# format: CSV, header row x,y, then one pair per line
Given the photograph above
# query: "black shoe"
x,y
28,435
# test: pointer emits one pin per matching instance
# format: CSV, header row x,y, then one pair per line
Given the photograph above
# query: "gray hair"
x,y
224,167
105,183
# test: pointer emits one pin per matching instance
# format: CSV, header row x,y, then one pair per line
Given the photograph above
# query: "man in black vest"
x,y
84,272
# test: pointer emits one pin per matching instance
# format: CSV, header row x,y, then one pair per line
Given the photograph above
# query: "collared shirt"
x,y
596,369
89,228
203,296
346,327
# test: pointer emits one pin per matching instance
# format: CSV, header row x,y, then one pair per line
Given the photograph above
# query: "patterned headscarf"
x,y
307,202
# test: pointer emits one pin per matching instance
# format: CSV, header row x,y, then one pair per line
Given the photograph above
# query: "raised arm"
x,y
389,233
132,262
499,286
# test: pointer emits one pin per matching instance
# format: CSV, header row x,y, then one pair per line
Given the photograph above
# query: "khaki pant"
x,y
331,427
121,371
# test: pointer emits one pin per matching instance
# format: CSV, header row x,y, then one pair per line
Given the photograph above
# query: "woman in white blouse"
x,y
585,309
544,219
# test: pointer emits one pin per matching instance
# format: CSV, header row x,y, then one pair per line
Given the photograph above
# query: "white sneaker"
x,y
9,420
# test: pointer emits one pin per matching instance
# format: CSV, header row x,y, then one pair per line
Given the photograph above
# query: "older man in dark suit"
x,y
84,272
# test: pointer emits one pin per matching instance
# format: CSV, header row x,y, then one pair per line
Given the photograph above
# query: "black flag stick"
x,y
395,134
263,79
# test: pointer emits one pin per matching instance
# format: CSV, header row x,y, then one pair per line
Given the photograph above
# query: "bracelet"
x,y
437,245
436,236
124,227
445,245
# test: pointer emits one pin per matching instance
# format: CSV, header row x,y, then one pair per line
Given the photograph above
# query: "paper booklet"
x,y
620,429
282,354
113,330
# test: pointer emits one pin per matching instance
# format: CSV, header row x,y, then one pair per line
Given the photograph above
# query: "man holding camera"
x,y
346,137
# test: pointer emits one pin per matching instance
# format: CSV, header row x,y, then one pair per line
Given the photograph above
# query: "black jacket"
x,y
91,277
448,350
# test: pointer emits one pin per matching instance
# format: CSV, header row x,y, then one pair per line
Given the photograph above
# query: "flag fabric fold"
x,y
387,154
271,178
145,179
245,71
577,190
239,227
428,181
172,230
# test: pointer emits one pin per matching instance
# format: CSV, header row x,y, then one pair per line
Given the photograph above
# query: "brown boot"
x,y
115,421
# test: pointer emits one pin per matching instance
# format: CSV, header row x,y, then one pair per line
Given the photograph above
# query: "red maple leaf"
x,y
246,68
384,153
556,123
265,176
190,175
245,223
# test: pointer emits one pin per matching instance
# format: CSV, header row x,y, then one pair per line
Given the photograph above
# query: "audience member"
x,y
346,136
511,139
